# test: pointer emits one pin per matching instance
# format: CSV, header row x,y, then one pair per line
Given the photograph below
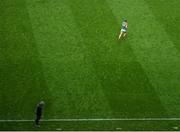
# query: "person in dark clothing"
x,y
39,111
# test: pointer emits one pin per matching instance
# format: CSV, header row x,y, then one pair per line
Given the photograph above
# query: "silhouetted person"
x,y
39,111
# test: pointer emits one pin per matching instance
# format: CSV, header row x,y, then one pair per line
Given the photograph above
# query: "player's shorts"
x,y
123,30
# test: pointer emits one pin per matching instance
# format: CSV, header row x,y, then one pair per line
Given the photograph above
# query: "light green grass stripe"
x,y
76,91
153,49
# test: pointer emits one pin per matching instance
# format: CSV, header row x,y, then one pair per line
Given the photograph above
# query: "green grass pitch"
x,y
67,53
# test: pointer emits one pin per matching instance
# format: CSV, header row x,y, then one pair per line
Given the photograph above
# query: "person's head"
x,y
125,20
41,103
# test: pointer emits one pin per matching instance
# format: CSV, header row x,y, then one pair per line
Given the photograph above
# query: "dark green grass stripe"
x,y
22,80
117,76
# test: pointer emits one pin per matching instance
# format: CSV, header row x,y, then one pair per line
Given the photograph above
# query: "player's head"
x,y
125,20
42,103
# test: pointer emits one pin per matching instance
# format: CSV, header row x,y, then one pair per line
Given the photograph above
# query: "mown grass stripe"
x,y
167,14
22,80
154,51
64,55
116,75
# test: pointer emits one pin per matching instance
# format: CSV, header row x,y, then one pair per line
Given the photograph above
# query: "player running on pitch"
x,y
123,29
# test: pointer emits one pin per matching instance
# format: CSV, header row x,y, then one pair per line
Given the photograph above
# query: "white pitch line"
x,y
95,119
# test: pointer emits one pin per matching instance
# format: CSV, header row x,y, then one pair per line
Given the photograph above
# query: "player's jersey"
x,y
39,110
124,24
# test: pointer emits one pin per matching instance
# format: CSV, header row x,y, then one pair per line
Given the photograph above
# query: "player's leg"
x,y
121,33
124,34
37,120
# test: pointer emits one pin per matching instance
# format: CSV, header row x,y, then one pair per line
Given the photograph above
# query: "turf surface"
x,y
66,53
